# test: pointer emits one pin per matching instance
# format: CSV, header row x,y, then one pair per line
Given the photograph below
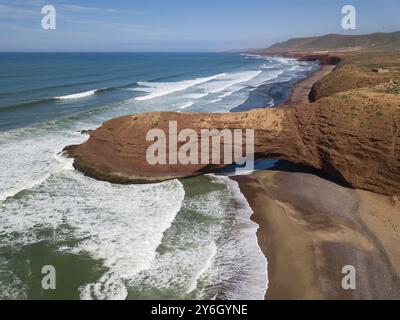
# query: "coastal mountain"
x,y
371,42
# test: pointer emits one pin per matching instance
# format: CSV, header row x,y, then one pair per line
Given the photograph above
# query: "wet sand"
x,y
301,90
311,227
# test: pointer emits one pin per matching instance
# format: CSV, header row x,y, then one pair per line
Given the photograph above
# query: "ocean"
x,y
180,239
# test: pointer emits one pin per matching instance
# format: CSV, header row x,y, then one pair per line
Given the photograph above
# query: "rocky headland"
x,y
352,135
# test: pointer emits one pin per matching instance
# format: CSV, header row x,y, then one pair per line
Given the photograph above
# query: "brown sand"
x,y
301,90
310,228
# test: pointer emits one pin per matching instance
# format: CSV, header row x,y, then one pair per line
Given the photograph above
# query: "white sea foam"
x,y
256,285
123,230
202,268
229,80
267,77
11,287
63,164
197,95
215,100
78,95
23,186
283,60
109,287
186,105
235,89
159,89
267,66
210,249
29,162
251,55
178,271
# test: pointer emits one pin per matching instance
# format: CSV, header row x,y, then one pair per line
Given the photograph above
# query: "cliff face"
x,y
117,150
353,135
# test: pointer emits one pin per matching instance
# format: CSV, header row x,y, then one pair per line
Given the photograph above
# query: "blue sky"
x,y
177,25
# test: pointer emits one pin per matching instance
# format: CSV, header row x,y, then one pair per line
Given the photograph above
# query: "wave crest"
x,y
159,89
78,95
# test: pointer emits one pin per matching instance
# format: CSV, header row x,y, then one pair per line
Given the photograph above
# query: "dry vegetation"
x,y
355,71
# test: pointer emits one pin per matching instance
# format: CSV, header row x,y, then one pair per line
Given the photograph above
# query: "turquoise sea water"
x,y
177,239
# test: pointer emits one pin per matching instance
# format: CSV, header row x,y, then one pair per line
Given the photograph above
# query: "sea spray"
x,y
256,285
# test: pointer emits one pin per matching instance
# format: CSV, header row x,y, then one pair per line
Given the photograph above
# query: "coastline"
x,y
256,202
298,95
307,239
258,282
307,233
87,189
260,205
301,90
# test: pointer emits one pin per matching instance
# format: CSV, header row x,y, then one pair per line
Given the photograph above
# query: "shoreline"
x,y
307,239
301,90
259,279
298,95
305,254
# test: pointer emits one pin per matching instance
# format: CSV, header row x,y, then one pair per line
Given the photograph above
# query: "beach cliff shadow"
x,y
287,166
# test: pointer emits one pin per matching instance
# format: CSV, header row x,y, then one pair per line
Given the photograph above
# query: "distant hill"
x,y
374,41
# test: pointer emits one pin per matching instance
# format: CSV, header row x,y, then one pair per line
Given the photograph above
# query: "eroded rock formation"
x,y
353,136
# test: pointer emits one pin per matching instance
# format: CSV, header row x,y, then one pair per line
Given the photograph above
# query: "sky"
x,y
177,25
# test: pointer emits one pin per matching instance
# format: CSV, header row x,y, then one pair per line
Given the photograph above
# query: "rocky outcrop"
x,y
354,136
116,151
323,59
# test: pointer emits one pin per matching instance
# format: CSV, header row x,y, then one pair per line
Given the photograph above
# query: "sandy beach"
x,y
311,227
301,90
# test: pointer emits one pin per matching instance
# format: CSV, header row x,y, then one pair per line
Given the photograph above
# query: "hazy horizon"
x,y
179,26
